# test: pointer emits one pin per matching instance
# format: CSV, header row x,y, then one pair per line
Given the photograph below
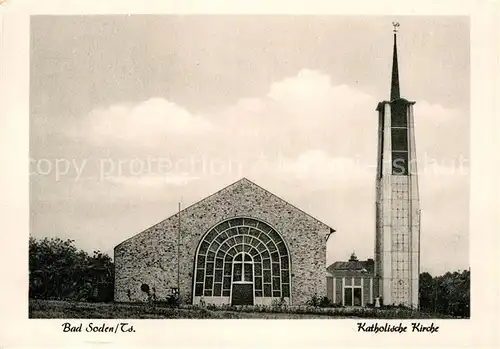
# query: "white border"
x,y
17,331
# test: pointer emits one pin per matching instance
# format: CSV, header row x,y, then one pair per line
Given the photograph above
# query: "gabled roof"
x,y
244,179
241,181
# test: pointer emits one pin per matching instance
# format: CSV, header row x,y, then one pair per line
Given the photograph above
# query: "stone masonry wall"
x,y
150,257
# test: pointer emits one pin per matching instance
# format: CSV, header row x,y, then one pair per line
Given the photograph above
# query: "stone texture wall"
x,y
150,257
329,287
339,291
366,291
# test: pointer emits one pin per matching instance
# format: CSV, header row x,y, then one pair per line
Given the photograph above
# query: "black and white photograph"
x,y
239,166
249,174
249,167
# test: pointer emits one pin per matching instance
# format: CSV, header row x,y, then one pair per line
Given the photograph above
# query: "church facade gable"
x,y
240,240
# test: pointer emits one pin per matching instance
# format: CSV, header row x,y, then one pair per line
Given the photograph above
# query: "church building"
x,y
245,246
242,245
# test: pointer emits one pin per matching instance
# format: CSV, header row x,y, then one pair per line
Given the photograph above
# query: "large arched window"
x,y
242,261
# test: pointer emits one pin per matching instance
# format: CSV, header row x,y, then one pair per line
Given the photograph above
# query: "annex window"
x,y
353,292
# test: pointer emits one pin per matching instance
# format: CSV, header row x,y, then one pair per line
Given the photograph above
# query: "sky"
x,y
130,115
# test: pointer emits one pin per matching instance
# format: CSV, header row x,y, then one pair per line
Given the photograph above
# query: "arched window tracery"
x,y
242,250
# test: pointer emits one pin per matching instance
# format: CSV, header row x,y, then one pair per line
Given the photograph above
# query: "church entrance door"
x,y
242,290
242,294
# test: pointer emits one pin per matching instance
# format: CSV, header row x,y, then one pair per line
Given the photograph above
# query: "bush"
x,y
172,301
211,307
319,302
279,304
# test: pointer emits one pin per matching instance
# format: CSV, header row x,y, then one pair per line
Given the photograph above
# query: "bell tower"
x,y
397,238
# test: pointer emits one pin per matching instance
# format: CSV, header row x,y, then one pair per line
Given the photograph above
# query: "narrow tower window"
x,y
399,113
399,139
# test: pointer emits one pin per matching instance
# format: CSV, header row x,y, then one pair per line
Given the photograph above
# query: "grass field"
x,y
48,309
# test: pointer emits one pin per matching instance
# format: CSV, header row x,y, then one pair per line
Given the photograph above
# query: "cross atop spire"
x,y
396,26
395,71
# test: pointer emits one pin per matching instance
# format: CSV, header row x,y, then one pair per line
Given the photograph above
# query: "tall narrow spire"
x,y
395,72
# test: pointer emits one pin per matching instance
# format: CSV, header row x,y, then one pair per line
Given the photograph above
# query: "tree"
x,y
58,270
426,283
447,294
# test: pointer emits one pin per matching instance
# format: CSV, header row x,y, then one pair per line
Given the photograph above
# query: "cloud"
x,y
304,128
300,112
144,124
434,113
441,133
307,86
152,181
297,115
304,111
313,91
316,167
